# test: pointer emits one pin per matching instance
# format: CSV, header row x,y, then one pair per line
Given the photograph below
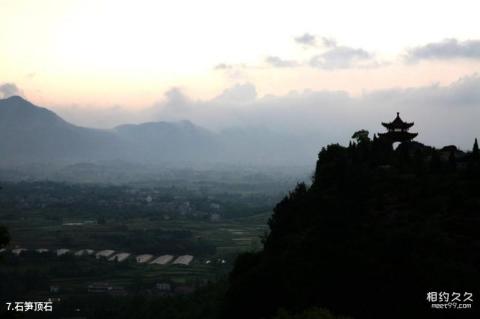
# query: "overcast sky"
x,y
223,63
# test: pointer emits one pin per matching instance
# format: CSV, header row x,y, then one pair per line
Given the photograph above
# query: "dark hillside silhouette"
x,y
377,230
4,237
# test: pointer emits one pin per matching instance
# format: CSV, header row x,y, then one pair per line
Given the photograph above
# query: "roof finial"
x,y
398,113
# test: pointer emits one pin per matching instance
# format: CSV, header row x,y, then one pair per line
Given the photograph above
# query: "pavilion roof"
x,y
398,123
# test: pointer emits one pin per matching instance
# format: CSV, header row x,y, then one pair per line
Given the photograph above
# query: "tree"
x,y
4,236
435,162
361,136
452,161
418,162
475,151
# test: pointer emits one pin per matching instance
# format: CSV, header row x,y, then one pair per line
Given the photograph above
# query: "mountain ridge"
x,y
33,134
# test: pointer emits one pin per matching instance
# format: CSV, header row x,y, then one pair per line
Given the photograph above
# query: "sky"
x,y
222,63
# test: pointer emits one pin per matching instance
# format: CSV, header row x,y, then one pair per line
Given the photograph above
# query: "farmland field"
x,y
52,232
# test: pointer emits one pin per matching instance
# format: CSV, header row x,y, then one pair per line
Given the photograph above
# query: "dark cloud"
x,y
341,57
280,63
8,90
445,50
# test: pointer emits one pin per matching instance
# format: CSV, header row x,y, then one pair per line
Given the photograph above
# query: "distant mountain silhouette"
x,y
29,133
170,141
32,134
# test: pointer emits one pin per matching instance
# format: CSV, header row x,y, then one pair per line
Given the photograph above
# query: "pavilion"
x,y
397,131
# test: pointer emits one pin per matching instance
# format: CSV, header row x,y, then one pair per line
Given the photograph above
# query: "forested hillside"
x,y
375,233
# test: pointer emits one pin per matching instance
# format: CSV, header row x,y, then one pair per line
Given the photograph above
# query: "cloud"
x,y
445,50
223,66
306,39
308,120
278,62
8,90
238,94
310,40
457,97
442,114
341,57
226,66
329,42
234,72
176,101
331,56
328,56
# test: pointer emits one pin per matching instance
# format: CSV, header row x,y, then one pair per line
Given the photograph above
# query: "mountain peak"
x,y
16,101
15,98
16,111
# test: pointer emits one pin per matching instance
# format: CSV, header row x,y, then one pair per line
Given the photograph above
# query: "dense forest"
x,y
375,233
